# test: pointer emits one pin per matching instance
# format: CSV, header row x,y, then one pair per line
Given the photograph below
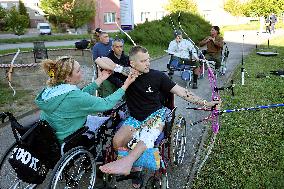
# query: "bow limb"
x,y
11,71
125,34
215,96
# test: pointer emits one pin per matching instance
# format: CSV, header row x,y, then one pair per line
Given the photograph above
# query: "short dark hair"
x,y
102,33
134,50
217,29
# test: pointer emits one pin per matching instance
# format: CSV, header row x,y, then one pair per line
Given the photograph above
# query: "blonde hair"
x,y
58,70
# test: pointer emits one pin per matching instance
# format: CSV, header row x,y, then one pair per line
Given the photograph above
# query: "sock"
x,y
195,77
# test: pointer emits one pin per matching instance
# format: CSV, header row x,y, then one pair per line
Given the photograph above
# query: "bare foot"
x,y
119,167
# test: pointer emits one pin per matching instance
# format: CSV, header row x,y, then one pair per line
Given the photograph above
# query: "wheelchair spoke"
x,y
76,169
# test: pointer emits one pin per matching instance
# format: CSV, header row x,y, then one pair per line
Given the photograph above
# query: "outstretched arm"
x,y
191,97
108,64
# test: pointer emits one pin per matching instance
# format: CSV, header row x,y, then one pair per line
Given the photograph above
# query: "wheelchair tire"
x,y
155,182
75,169
8,177
178,141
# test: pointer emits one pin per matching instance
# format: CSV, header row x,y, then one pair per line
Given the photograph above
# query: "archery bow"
x,y
125,34
10,71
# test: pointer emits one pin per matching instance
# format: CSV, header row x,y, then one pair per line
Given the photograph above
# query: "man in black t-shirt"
x,y
147,115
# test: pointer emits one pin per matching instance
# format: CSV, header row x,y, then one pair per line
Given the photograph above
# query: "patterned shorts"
x,y
157,115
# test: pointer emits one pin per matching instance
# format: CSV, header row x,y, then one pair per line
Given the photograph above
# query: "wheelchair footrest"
x,y
132,175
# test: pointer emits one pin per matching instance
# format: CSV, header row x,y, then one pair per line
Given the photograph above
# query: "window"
x,y
109,17
145,16
4,5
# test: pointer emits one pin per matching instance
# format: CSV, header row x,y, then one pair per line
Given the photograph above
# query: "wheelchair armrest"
x,y
76,134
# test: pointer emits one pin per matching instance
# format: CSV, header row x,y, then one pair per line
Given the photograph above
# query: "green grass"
x,y
7,51
253,25
7,99
249,151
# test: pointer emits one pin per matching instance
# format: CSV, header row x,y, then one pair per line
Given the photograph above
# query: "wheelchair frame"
x,y
186,71
83,159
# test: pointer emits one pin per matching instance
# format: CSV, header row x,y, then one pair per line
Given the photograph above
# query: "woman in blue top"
x,y
63,105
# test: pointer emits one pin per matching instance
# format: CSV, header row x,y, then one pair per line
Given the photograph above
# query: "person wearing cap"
x,y
95,36
214,44
184,51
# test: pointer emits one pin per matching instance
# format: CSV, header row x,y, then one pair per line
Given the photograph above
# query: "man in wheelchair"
x,y
147,114
214,44
183,52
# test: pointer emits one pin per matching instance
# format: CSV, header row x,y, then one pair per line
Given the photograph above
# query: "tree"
x,y
235,7
23,10
76,13
2,16
264,7
16,22
181,6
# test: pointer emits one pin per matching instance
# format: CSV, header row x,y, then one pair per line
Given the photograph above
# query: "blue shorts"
x,y
136,124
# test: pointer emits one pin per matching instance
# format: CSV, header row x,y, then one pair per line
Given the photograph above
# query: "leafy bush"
x,y
160,32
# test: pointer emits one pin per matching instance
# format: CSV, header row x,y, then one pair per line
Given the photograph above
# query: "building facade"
x,y
107,13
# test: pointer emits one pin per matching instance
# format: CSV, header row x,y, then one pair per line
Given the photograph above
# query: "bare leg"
x,y
123,166
123,136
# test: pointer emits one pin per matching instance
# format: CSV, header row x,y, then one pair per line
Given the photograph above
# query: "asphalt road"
x,y
178,177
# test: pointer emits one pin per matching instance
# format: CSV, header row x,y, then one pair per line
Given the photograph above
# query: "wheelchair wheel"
x,y
178,141
160,182
8,177
75,169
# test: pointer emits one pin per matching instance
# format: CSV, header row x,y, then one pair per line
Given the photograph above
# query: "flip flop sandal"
x,y
138,178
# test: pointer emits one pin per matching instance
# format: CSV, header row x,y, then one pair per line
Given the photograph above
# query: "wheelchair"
x,y
183,66
172,147
67,165
73,163
224,59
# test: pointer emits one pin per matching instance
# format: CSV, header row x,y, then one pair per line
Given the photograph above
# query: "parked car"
x,y
44,28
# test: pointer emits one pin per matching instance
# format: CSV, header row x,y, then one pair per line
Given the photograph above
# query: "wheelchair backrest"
x,y
36,151
167,100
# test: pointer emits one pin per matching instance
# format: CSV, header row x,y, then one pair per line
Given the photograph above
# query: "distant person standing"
x,y
273,20
103,47
268,25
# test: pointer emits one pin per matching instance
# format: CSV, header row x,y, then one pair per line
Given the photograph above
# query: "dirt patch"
x,y
29,81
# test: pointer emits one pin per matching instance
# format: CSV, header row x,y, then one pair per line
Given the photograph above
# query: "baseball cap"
x,y
99,30
177,32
